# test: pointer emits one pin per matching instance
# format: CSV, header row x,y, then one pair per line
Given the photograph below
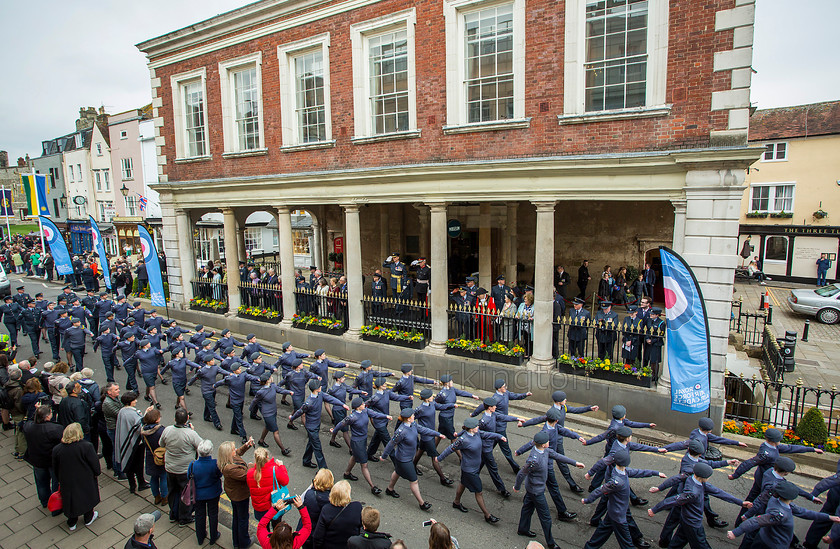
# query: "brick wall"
x,y
690,81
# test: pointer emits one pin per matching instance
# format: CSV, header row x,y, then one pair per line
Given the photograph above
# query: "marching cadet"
x,y
10,311
66,293
203,354
266,400
312,423
321,367
208,374
75,343
469,445
775,527
257,368
231,361
21,297
425,416
631,336
148,360
139,313
578,322
102,308
236,387
48,318
555,433
448,394
173,330
339,390
78,311
405,385
498,292
120,307
227,340
157,321
690,503
30,324
401,450
296,381
606,322
495,422
285,362
820,528
654,342
89,302
357,421
108,342
398,273
535,474
364,379
424,279
177,343
503,398
201,335
110,322
381,402
128,347
178,365
131,326
253,347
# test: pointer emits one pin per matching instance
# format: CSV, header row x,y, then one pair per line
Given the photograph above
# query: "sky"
x,y
58,56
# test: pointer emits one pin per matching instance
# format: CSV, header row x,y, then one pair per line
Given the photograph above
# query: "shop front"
x,y
790,252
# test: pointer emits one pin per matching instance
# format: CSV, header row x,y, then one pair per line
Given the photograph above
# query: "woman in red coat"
x,y
261,480
283,537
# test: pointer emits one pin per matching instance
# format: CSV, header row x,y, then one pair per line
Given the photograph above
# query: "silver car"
x,y
5,284
824,303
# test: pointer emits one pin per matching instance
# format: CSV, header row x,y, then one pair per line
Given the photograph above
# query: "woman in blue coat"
x,y
208,488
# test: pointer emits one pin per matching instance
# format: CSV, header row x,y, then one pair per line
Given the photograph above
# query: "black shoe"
x,y
157,405
164,382
419,472
334,444
426,506
594,523
8,426
143,487
262,444
664,544
310,465
373,459
292,426
214,540
576,489
256,417
228,406
504,493
147,398
639,502
717,523
286,452
376,491
391,493
528,534
460,507
641,543
233,432
491,519
552,546
590,489
350,476
186,391
446,482
219,428
566,516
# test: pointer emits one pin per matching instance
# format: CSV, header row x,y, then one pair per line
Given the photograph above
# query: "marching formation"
x,y
143,340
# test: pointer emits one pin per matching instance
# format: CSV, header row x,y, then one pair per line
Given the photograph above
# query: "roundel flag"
x,y
99,247
58,248
150,257
687,331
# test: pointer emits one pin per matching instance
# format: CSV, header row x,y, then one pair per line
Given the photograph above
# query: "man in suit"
x,y
424,278
579,318
497,292
583,278
649,279
561,281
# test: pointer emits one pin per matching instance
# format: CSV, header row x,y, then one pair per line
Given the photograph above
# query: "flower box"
x,y
605,375
275,320
484,355
205,309
317,328
398,342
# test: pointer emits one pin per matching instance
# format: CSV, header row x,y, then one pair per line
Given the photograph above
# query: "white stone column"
x,y
185,259
353,269
285,244
543,285
439,263
512,209
231,259
485,261
316,244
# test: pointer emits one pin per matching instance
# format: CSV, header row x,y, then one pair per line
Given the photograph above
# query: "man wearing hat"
x,y
497,292
448,394
120,308
128,348
398,273
618,519
378,291
503,398
606,322
364,379
178,365
252,346
266,402
139,313
472,290
155,320
176,343
102,307
174,329
66,293
48,318
535,474
619,418
631,336
339,390
312,423
207,352
321,367
227,340
148,361
21,297
201,335
30,324
236,387
288,357
295,380
493,421
207,374
424,279
405,385
401,450
144,528
462,317
654,341
74,339
690,502
357,421
381,402
578,328
10,312
425,417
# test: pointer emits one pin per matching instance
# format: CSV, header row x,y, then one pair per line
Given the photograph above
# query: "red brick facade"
x,y
690,82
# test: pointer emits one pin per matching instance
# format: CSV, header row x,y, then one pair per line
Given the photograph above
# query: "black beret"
x,y
406,413
703,470
786,490
470,423
499,383
773,435
785,464
706,423
364,364
356,402
696,447
553,414
619,411
624,431
445,378
558,396
425,393
622,458
405,368
314,384
490,401
541,437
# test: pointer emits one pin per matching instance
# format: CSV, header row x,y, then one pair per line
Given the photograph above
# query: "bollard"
x,y
769,319
761,305
805,330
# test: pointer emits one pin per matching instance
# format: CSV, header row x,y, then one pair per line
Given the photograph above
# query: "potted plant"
x,y
411,339
314,323
494,351
782,214
630,374
820,214
263,315
208,305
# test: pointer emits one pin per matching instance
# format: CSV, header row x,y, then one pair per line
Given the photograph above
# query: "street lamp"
x,y
124,190
63,201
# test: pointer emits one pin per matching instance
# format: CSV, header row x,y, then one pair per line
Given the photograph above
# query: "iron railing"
x,y
749,324
262,296
779,404
772,356
205,288
332,305
489,326
399,314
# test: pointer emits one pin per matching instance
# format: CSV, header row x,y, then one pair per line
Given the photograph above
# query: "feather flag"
x,y
99,247
150,256
58,248
6,209
35,187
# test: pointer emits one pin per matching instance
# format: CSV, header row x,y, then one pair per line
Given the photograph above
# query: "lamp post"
x,y
124,190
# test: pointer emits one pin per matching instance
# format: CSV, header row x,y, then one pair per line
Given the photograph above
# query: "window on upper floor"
x,y
242,103
107,180
131,206
72,177
305,92
99,149
190,114
123,134
774,152
106,211
253,238
127,167
79,171
98,178
772,198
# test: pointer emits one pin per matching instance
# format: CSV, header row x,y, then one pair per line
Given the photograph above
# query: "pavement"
x,y
24,524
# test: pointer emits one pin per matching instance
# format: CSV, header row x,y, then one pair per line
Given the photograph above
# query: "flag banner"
x,y
150,256
689,352
6,209
99,247
35,187
58,248
143,203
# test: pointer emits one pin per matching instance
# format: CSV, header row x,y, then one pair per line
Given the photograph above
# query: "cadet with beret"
x,y
364,379
535,474
201,335
74,339
578,322
120,307
108,342
321,367
503,397
405,385
236,387
178,365
401,450
10,313
148,360
266,400
176,343
128,348
30,324
425,417
207,374
257,368
227,340
340,391
206,352
157,321
449,395
381,402
490,420
296,381
253,347
312,423
357,421
619,418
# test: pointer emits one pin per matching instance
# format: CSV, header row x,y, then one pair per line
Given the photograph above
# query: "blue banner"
x,y
58,248
99,248
689,352
42,189
6,209
150,256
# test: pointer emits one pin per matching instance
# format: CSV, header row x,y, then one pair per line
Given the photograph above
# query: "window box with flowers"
x,y
325,325
757,214
208,305
495,352
392,336
629,374
782,215
262,315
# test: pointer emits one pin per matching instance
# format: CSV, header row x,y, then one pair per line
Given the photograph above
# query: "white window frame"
x,y
286,54
253,238
765,260
131,205
574,76
127,168
177,84
771,200
229,128
360,35
456,92
72,177
123,134
99,149
775,145
98,178
106,180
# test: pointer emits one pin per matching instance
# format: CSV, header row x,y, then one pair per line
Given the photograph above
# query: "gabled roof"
x,y
798,121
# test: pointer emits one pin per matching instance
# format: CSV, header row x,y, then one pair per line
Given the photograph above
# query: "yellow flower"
x,y
607,362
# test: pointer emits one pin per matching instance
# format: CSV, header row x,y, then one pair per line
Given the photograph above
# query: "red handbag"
x,y
55,504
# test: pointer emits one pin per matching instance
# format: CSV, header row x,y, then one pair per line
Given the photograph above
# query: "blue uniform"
x,y
381,402
148,361
446,418
236,390
470,445
254,348
775,526
172,332
74,339
340,391
618,518
357,422
490,422
535,476
610,436
321,368
312,423
227,342
563,410
502,406
208,374
364,381
155,321
120,311
179,373
286,359
48,318
768,483
198,338
266,400
424,415
402,447
128,349
296,380
405,386
108,342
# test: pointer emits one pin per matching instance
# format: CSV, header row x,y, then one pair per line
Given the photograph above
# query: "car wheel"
x,y
828,316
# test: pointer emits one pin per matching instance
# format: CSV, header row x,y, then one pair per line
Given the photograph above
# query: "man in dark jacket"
x,y
144,528
72,409
142,276
42,436
369,538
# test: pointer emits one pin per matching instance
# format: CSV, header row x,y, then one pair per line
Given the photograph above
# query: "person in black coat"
x,y
315,499
583,278
142,276
369,538
42,435
73,409
561,280
340,519
559,310
76,467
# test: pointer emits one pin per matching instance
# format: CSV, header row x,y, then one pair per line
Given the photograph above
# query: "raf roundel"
x,y
147,249
679,306
48,233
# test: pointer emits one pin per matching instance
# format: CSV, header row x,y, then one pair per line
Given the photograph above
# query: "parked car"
x,y
5,284
824,303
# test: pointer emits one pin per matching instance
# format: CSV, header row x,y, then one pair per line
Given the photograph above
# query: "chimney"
x,y
87,116
4,159
21,162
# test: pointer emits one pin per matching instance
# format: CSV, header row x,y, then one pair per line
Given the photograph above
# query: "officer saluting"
x,y
606,321
579,318
424,278
398,272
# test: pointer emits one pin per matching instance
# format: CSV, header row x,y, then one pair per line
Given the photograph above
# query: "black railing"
x,y
488,326
404,315
750,325
779,404
204,288
328,305
262,296
772,356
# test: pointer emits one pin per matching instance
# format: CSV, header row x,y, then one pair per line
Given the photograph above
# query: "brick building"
x,y
551,132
